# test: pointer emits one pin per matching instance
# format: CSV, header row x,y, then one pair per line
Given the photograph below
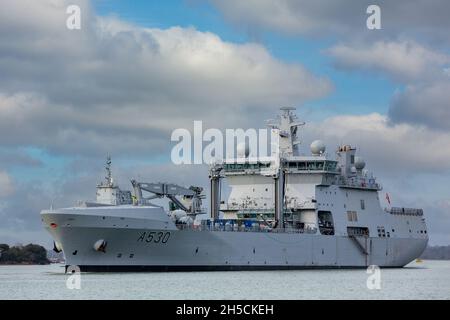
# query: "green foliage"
x,y
29,254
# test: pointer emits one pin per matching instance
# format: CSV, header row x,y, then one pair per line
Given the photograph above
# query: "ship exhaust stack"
x,y
214,176
279,199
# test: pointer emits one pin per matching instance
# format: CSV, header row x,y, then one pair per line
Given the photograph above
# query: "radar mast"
x,y
109,182
287,123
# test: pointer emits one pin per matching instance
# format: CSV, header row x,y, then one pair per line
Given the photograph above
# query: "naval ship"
x,y
288,211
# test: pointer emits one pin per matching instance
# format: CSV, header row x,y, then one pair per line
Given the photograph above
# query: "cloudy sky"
x,y
136,70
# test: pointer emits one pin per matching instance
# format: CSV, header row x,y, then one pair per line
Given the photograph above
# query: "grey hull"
x,y
187,250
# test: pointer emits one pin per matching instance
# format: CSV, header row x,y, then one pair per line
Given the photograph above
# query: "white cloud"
x,y
437,215
345,18
269,14
388,147
403,60
6,185
112,84
424,100
426,104
115,87
291,16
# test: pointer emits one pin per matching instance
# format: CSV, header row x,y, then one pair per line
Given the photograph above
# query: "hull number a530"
x,y
154,236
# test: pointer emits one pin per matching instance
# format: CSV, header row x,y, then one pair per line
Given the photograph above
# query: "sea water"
x,y
418,280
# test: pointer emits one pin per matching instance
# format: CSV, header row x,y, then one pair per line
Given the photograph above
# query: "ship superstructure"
x,y
289,210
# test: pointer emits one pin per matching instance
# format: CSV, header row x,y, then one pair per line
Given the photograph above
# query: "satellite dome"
x,y
359,163
317,147
243,150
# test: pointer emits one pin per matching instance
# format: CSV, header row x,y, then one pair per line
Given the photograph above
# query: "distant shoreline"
x,y
30,254
436,253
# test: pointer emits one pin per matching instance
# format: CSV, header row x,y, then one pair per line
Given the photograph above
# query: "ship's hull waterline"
x,y
130,248
286,211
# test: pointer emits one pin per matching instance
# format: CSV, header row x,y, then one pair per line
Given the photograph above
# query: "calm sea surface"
x,y
425,280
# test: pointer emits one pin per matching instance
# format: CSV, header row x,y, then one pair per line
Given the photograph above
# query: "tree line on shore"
x,y
28,254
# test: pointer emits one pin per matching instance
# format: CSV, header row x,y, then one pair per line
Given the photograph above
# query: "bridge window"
x,y
330,165
243,166
363,205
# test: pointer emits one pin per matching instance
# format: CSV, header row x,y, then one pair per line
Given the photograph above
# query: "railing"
x,y
240,167
231,228
321,166
405,211
359,183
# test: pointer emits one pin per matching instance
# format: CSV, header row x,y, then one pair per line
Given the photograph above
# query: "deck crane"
x,y
191,201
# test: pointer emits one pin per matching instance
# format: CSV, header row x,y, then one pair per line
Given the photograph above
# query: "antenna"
x,y
109,179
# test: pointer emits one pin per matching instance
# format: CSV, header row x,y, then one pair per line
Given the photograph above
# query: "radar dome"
x,y
359,163
317,147
243,150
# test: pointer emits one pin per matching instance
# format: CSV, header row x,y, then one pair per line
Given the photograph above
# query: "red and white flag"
x,y
388,199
